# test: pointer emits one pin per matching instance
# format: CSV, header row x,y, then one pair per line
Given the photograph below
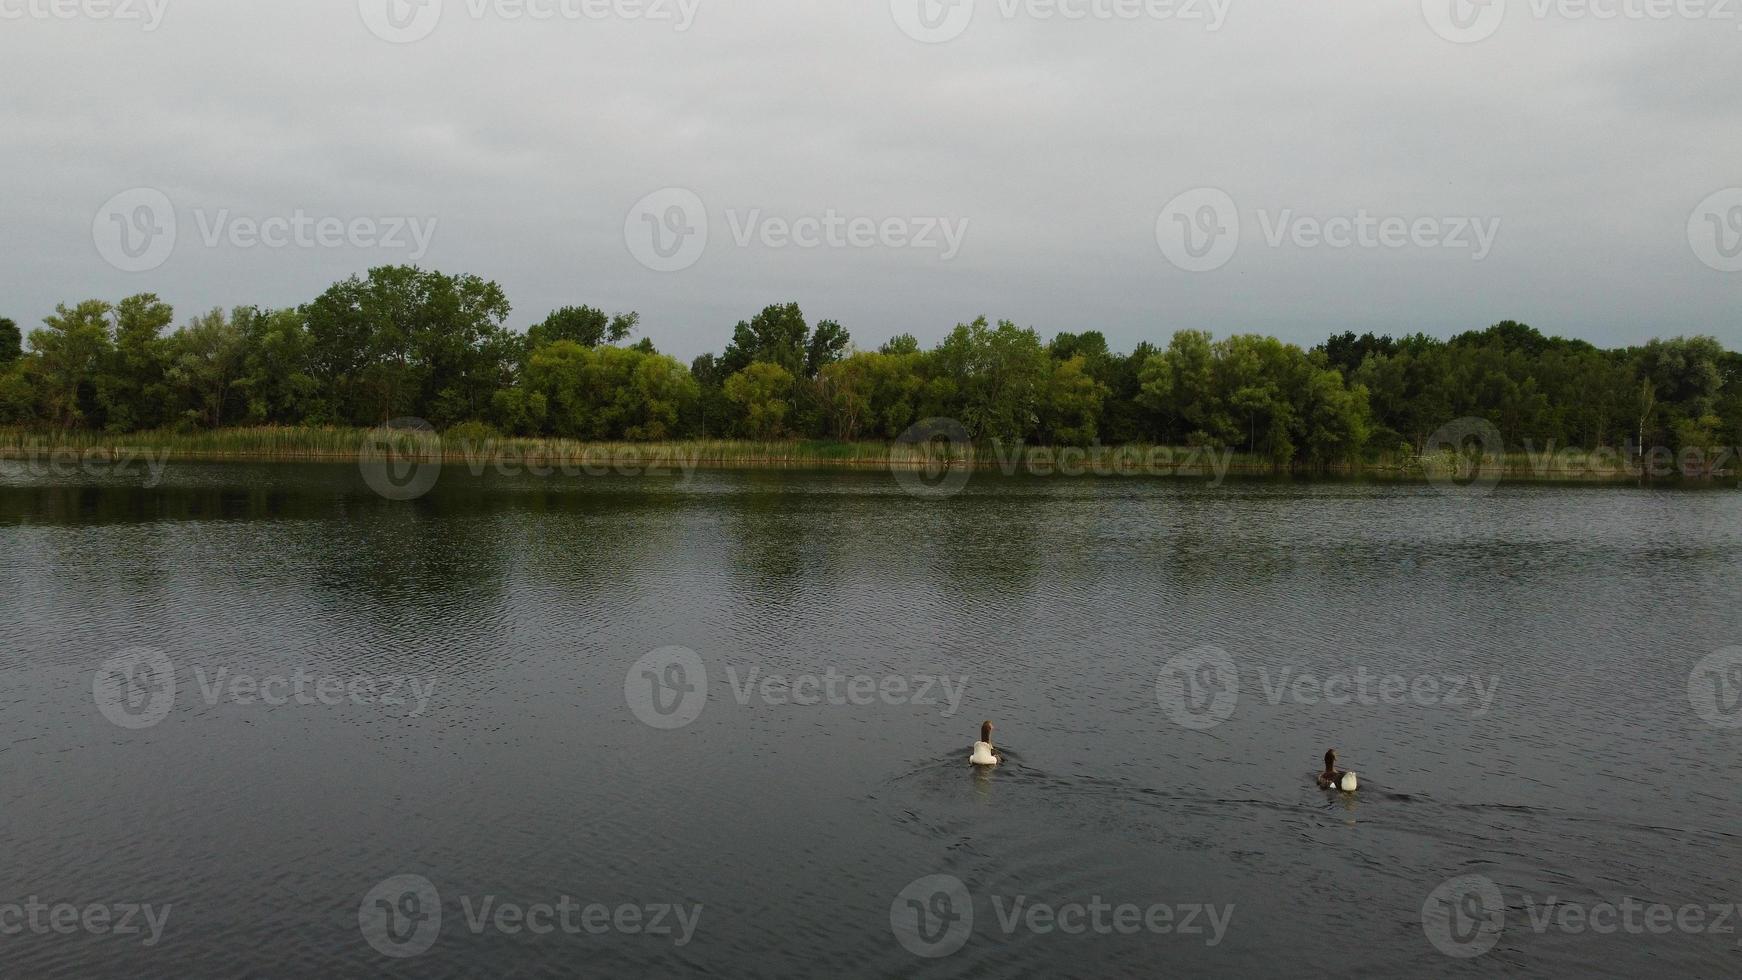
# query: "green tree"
x,y
1335,418
762,394
901,343
1071,408
17,394
71,354
1178,385
275,384
206,360
132,388
995,378
582,325
828,343
404,340
596,393
780,335
777,335
1257,379
871,394
11,342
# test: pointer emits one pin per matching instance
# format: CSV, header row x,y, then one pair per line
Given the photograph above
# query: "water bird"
x,y
1334,778
984,753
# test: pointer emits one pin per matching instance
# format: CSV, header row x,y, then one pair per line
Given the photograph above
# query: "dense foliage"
x,y
404,342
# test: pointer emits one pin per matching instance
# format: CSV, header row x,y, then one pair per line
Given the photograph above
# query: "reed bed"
x,y
474,445
267,443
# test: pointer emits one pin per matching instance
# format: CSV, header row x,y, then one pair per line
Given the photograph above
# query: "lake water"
x,y
1533,684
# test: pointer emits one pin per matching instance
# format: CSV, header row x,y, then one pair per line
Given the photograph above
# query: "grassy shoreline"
x,y
483,451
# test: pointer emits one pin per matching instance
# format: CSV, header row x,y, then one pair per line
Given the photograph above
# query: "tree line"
x,y
406,342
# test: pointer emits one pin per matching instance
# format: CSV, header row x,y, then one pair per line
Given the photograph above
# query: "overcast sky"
x,y
1091,171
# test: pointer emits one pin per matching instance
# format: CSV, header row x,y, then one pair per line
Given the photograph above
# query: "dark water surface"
x,y
1593,776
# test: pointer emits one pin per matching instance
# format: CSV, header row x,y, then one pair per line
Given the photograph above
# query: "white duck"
x,y
1338,779
984,753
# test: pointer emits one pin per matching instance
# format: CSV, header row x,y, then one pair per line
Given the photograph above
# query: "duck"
x,y
984,753
1338,779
